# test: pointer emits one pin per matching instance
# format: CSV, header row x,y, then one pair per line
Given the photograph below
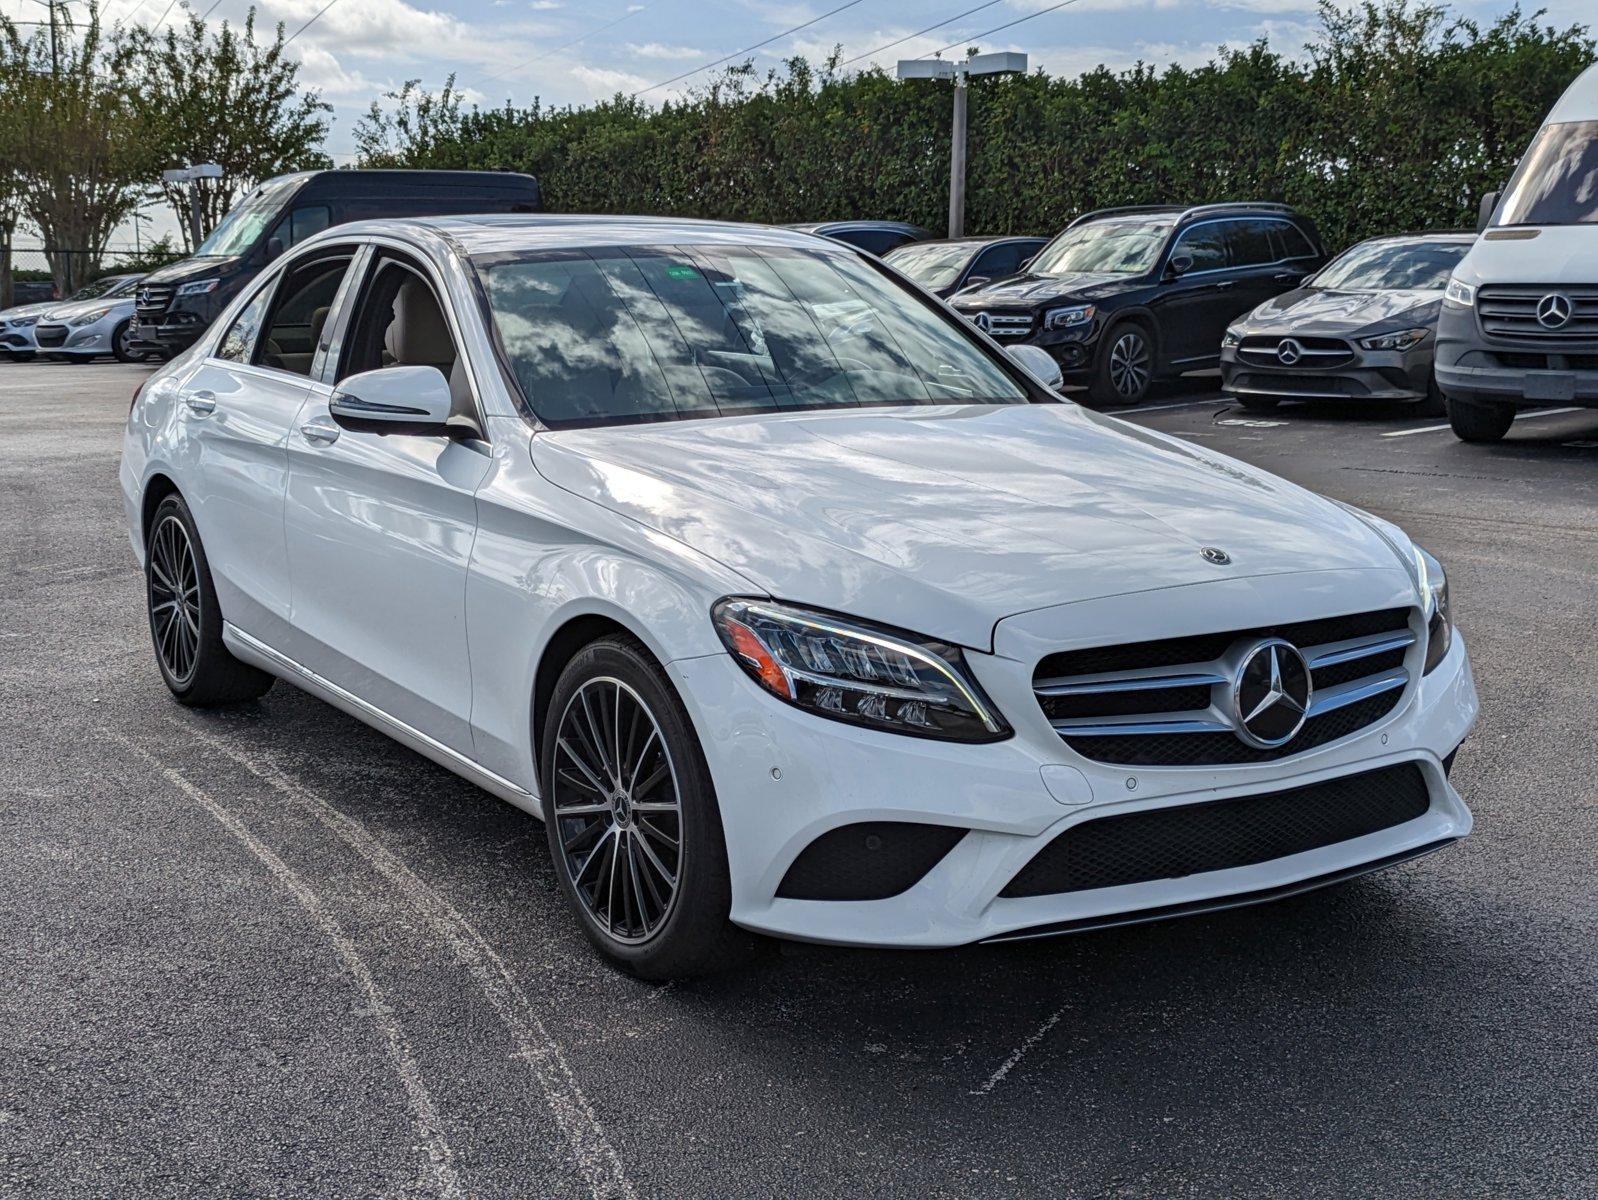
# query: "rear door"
x,y
237,408
380,527
1261,273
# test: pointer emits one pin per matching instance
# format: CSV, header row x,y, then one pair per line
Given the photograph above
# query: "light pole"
x,y
192,175
1002,63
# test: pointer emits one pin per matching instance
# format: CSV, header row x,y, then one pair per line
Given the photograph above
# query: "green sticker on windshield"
x,y
681,273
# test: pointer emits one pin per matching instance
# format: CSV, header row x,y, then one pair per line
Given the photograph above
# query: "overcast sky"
x,y
577,51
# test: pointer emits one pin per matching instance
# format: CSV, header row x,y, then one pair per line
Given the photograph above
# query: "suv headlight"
x,y
1433,583
88,318
1402,340
1068,318
1462,294
859,673
198,287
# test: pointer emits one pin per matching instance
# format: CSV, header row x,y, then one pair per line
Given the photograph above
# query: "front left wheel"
x,y
632,819
185,618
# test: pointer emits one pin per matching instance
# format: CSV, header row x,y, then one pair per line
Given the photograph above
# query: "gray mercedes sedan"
x,y
1363,329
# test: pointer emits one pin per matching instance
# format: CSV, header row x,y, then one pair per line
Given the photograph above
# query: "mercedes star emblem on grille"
x,y
1288,352
1214,554
1553,310
982,321
1270,694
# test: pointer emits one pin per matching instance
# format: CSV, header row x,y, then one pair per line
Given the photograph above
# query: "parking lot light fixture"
x,y
1001,63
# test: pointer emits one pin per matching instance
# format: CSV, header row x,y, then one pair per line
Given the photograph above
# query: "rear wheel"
x,y
122,344
185,619
632,819
1125,366
1477,422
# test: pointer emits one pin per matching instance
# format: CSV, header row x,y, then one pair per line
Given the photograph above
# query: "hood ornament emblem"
x,y
1214,554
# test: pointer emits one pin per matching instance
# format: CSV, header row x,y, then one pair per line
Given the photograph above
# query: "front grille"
x,y
1511,311
151,302
1002,324
50,336
1528,360
1191,839
1313,353
1168,702
1299,385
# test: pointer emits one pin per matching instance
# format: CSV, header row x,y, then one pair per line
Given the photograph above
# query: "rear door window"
x,y
305,298
239,340
1250,243
1291,241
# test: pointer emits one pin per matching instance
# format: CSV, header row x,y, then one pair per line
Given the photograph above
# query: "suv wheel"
x,y
185,618
632,820
1125,367
1473,422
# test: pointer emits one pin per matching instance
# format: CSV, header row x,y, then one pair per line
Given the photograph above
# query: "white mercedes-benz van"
x,y
1519,325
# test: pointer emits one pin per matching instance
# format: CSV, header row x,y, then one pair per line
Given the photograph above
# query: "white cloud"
x,y
603,83
660,50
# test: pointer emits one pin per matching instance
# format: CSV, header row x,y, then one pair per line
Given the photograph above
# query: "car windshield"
x,y
615,335
929,264
1392,267
1114,247
1557,182
110,285
247,220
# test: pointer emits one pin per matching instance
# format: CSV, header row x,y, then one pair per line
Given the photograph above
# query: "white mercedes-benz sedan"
x,y
793,604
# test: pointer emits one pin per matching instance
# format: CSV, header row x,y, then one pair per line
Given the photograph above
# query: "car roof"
x,y
822,226
1465,236
504,232
972,241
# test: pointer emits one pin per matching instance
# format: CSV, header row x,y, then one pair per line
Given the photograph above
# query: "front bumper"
x,y
784,778
1521,372
1367,376
17,339
88,341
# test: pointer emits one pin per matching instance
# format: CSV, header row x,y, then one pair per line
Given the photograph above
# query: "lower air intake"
x,y
871,860
1170,843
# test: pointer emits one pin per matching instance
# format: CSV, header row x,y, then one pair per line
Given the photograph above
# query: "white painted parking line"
x,y
1132,412
1016,1055
1542,412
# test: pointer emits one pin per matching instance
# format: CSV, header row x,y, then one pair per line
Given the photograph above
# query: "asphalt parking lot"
x,y
269,952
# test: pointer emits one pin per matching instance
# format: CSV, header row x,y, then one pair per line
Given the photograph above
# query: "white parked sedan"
x,y
792,603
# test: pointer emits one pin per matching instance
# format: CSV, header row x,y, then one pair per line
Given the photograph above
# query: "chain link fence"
x,y
31,279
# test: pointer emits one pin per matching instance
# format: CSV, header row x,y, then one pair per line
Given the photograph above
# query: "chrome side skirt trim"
x,y
255,651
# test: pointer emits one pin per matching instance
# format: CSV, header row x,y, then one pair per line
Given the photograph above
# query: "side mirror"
x,y
1484,211
1179,266
1025,263
274,248
1038,363
394,400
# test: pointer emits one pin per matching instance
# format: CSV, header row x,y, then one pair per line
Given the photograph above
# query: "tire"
x,y
641,926
1257,403
186,621
120,349
1474,422
1434,404
1125,365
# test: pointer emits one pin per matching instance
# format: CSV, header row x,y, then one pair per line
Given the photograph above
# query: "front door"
x,y
380,526
1195,308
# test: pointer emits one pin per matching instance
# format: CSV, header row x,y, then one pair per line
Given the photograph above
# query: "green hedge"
x,y
1395,117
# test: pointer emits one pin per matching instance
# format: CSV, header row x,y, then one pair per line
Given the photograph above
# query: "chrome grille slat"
x,y
1123,716
1511,311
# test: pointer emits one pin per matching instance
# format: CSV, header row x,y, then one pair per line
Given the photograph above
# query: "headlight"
x,y
88,318
24,322
1231,340
1402,340
1433,583
198,288
1462,294
1068,318
859,673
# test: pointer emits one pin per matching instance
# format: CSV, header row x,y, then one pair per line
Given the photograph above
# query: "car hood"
x,y
1043,289
64,312
944,520
191,268
1546,254
28,310
1318,311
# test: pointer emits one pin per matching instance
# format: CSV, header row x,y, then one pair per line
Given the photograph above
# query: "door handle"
x,y
319,434
1225,285
201,404
1285,277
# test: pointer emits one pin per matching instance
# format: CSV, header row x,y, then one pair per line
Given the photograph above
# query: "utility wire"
x,y
567,45
966,41
739,53
308,24
164,12
912,36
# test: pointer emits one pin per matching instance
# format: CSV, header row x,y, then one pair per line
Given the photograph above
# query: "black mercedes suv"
x,y
1126,295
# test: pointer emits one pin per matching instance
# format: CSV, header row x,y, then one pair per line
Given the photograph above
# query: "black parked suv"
x,y
1126,295
177,302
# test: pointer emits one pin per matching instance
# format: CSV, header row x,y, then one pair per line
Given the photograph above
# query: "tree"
x,y
224,97
79,163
